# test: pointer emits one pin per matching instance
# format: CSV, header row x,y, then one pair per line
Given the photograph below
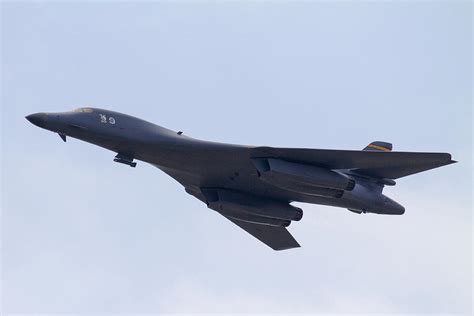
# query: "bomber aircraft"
x,y
250,186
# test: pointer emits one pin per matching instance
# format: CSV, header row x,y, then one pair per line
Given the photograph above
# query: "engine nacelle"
x,y
303,178
248,207
365,200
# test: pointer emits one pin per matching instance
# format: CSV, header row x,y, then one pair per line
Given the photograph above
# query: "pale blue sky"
x,y
83,234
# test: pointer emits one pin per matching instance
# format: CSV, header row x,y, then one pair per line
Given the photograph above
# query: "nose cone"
x,y
38,119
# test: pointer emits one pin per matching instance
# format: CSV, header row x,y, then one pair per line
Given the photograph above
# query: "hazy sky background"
x,y
81,233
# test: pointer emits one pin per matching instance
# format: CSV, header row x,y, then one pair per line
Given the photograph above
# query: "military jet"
x,y
250,186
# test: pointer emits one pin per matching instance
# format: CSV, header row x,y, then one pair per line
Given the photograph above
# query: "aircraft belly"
x,y
244,180
232,168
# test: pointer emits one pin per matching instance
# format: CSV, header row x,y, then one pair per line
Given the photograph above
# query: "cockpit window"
x,y
83,110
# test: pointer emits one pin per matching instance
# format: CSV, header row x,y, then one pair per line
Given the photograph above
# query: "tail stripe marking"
x,y
379,147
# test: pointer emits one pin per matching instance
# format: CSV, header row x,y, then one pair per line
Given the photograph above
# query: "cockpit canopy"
x,y
83,110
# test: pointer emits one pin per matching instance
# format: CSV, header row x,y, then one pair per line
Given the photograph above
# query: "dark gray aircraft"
x,y
251,186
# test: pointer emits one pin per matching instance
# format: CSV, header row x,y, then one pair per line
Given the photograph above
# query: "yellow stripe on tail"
x,y
379,146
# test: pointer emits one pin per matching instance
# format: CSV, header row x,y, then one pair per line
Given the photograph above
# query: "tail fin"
x,y
379,146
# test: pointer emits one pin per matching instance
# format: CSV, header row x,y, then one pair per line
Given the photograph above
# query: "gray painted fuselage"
x,y
192,162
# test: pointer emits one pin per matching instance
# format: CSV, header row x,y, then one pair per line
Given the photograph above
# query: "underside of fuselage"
x,y
242,176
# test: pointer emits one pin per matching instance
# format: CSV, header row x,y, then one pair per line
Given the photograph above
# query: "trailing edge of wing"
x,y
378,164
276,237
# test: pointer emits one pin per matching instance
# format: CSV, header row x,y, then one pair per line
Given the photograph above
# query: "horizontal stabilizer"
x,y
378,164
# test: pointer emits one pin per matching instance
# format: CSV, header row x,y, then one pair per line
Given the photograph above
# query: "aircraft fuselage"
x,y
199,164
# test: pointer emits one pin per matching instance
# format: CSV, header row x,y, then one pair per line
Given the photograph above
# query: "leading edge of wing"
x,y
276,237
392,165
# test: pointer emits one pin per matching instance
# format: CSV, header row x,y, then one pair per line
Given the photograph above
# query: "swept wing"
x,y
378,164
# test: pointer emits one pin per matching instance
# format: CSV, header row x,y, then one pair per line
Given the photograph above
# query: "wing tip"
x,y
297,245
293,245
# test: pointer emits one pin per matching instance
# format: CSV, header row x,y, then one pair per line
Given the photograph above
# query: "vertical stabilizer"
x,y
379,146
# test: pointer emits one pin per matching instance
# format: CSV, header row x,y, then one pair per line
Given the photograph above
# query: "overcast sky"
x,y
81,233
